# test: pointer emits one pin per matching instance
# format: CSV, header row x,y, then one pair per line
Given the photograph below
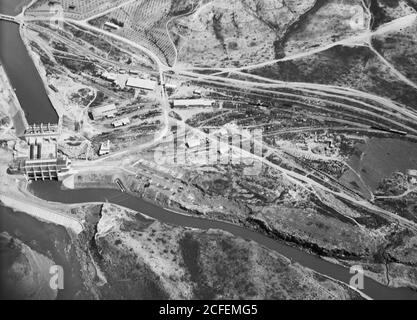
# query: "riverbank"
x,y
90,255
42,213
14,7
105,178
166,261
13,194
24,76
10,103
24,272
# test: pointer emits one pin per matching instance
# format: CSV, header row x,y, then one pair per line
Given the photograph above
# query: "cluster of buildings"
x,y
109,111
36,154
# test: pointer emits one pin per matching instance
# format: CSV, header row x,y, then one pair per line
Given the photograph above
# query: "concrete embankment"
x,y
104,178
42,213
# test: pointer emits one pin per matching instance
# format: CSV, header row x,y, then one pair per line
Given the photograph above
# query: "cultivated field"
x,y
148,23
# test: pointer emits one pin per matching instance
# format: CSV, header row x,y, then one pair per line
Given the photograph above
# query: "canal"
x,y
24,76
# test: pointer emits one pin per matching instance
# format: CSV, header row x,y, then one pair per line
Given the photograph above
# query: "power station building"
x,y
46,169
36,155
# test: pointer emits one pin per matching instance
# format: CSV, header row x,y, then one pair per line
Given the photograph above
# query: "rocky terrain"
x,y
338,230
165,262
352,67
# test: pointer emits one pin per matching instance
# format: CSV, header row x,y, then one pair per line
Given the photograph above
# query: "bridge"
x,y
6,17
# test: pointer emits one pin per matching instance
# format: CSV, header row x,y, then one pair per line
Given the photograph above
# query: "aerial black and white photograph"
x,y
208,150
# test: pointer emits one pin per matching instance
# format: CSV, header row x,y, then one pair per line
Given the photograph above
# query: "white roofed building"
x,y
193,103
141,83
111,25
121,122
110,76
104,148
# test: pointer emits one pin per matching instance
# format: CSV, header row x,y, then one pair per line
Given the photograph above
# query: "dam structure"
x,y
36,155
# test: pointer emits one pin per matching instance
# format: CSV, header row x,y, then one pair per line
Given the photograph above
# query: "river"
x,y
52,191
24,76
50,240
33,99
12,7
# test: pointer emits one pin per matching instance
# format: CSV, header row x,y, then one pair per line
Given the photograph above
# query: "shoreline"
x,y
14,109
52,205
41,213
32,283
347,286
378,278
362,294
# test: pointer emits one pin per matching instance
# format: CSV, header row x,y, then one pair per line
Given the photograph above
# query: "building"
x,y
42,130
171,86
36,155
121,122
42,148
110,76
104,148
111,25
104,112
46,169
139,83
193,141
183,103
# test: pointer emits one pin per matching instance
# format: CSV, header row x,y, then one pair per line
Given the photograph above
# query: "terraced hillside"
x,y
148,23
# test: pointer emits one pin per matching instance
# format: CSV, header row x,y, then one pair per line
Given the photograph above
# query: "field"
x,y
352,67
328,22
215,33
236,33
399,49
147,23
384,11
